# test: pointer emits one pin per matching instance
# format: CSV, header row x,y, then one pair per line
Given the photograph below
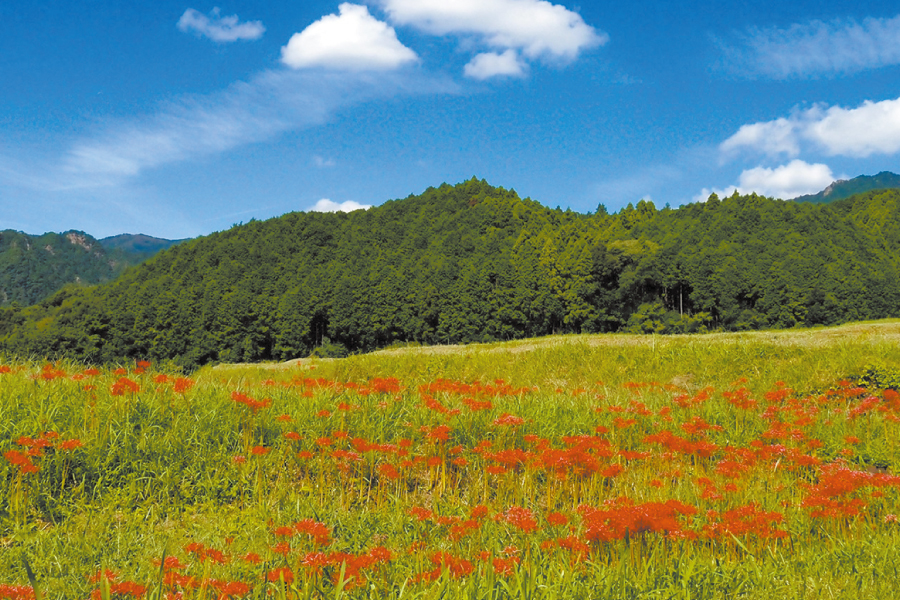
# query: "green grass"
x,y
158,469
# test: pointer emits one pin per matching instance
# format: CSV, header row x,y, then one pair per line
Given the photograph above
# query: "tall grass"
x,y
539,469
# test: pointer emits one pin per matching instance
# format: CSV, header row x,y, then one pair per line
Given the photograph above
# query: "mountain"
x,y
476,263
138,243
34,266
844,188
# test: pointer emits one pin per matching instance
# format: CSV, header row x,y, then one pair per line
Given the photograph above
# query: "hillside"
x,y
475,263
844,188
34,266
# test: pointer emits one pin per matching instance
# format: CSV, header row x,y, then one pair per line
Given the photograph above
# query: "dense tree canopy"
x,y
471,263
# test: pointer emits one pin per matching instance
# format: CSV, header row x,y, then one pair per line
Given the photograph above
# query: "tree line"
x,y
476,263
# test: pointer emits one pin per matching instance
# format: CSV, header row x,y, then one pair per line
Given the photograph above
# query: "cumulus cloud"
x,y
535,28
219,28
490,64
814,49
353,40
796,178
326,205
871,128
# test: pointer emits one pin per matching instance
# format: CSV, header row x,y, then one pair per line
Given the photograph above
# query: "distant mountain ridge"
x,y
33,267
138,243
844,188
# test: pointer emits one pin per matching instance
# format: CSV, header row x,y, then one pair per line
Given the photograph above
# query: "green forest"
x,y
476,263
34,266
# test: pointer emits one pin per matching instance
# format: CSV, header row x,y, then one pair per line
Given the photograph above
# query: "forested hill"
x,y
33,267
474,263
844,188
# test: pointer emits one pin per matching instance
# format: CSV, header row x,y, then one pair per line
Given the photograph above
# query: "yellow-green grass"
x,y
159,469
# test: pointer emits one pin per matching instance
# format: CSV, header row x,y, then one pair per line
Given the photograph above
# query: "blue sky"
x,y
178,118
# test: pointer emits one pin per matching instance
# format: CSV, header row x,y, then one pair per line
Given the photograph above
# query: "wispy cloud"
x,y
323,163
813,49
219,28
353,40
871,128
247,112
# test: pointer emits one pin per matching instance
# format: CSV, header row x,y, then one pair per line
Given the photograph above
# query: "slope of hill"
x,y
33,267
844,188
472,263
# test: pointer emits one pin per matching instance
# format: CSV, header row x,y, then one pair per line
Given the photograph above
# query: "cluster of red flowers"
x,y
253,405
35,448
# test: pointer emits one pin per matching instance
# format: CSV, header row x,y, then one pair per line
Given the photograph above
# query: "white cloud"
x,y
814,49
247,112
218,28
490,64
771,137
353,40
533,29
323,163
537,27
796,178
326,205
871,128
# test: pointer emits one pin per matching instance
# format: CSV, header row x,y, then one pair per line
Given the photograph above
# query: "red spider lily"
x,y
457,567
505,566
182,385
508,420
124,386
253,405
480,512
281,574
319,532
170,564
557,519
227,589
282,548
625,518
16,592
259,450
388,471
421,513
293,436
669,440
5,369
520,518
439,433
463,528
21,461
476,405
284,531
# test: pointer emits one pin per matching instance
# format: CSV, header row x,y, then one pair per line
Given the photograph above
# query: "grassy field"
x,y
755,465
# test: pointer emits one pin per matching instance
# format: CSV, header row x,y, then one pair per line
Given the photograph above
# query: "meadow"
x,y
744,465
